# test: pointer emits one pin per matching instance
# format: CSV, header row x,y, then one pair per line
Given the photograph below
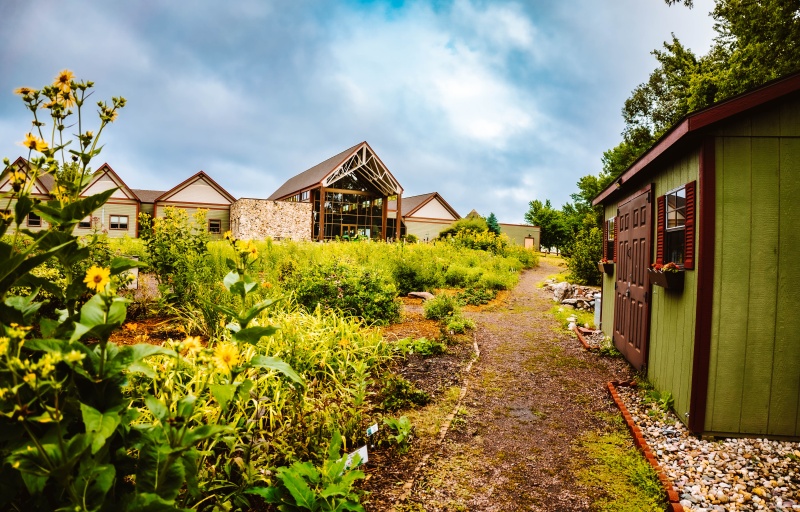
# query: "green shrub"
x,y
398,393
401,432
582,263
416,272
460,324
352,290
475,296
441,307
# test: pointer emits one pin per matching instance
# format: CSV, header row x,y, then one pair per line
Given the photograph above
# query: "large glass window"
x,y
348,215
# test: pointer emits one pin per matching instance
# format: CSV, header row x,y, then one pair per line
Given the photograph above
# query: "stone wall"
x,y
257,219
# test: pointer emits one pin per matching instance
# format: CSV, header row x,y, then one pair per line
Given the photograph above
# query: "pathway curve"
x,y
530,395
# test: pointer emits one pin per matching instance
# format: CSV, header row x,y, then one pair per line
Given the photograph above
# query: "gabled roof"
x,y
359,158
148,196
44,182
200,176
106,170
694,125
412,204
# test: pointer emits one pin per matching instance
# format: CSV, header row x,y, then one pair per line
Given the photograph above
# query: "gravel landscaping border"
x,y
733,474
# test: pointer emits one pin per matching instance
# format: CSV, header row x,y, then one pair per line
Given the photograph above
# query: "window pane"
x,y
34,220
673,246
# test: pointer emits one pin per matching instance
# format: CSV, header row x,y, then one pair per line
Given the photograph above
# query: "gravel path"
x,y
533,391
725,475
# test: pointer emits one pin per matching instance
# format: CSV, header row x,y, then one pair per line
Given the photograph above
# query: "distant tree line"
x,y
757,41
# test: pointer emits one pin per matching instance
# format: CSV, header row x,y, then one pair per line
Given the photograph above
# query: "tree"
x,y
493,225
550,221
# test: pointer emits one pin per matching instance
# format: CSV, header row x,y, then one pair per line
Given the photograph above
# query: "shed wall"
x,y
672,314
425,230
518,232
607,285
754,370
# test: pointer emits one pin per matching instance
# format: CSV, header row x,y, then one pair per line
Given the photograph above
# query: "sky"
x,y
490,103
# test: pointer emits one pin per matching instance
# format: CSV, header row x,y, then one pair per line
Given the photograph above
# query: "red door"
x,y
631,311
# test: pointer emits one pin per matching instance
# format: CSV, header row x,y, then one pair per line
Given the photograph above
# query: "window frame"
x,y
118,223
37,222
668,237
218,223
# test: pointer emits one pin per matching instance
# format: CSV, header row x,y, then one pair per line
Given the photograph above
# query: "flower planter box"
x,y
667,280
606,268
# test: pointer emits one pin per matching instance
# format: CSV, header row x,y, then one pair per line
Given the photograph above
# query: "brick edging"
x,y
638,439
579,334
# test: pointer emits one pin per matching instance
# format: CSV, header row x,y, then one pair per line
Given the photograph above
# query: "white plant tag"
x,y
361,452
372,429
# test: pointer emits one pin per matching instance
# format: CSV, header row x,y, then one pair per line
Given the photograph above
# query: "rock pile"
x,y
717,476
572,295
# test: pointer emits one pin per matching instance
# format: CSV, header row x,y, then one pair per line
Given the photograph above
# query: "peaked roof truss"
x,y
364,163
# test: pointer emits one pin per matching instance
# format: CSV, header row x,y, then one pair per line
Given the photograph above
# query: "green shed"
x,y
717,196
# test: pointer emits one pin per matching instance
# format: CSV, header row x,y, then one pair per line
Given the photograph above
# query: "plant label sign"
x,y
372,429
362,452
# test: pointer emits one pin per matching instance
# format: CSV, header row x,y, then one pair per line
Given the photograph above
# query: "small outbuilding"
x,y
717,196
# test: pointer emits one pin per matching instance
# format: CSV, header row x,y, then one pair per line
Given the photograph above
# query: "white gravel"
x,y
724,475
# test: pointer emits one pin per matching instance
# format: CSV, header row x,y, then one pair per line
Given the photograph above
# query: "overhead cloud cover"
x,y
492,104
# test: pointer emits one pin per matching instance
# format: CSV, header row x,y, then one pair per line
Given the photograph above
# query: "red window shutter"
x,y
605,240
616,236
661,225
688,245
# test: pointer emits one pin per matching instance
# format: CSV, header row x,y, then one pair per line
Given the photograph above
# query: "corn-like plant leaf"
x,y
119,265
100,425
253,334
273,363
157,408
94,481
151,502
270,494
223,393
254,310
202,433
303,495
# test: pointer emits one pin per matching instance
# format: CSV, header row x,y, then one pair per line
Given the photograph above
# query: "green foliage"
x,y
551,222
587,252
402,432
441,307
304,486
355,291
398,393
459,324
411,238
176,250
607,348
470,224
629,482
492,224
475,296
422,346
421,271
663,400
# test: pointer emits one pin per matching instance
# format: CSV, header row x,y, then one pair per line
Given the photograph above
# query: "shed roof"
x,y
359,158
694,125
413,203
192,179
147,196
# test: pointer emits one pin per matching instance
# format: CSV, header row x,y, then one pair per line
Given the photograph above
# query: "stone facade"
x,y
257,219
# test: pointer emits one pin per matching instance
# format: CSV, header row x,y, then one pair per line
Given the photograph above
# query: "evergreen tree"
x,y
492,224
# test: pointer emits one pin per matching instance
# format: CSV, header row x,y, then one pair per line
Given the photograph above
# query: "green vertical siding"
x,y
754,371
672,314
607,318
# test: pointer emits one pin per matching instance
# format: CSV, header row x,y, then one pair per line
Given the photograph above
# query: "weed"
x,y
402,432
398,393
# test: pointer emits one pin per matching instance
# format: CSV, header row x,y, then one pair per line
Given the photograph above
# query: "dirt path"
x,y
532,393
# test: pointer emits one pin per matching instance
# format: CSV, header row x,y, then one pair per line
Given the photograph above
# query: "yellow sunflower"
x,y
191,345
23,91
226,355
97,278
64,80
34,143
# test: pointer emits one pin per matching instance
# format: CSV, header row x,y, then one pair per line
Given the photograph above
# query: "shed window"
x,y
675,236
34,221
85,223
118,222
214,226
608,239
